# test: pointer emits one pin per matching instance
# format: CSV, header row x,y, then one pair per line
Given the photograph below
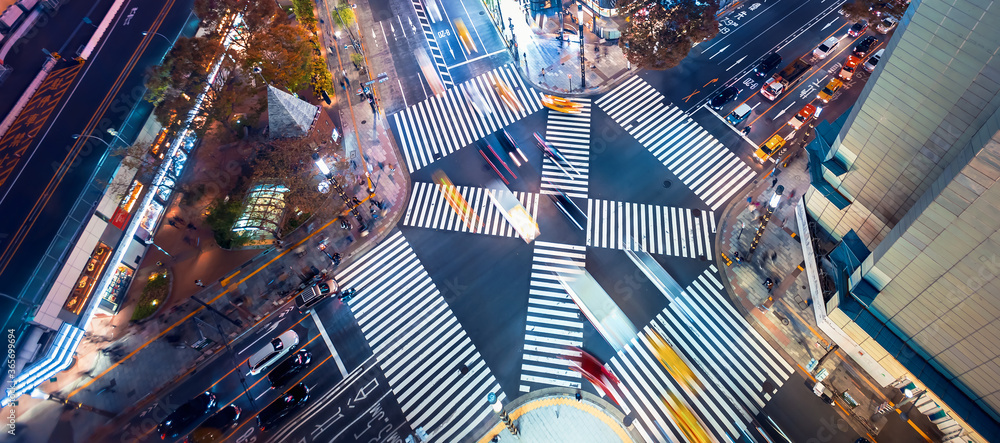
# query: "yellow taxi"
x,y
689,424
829,90
673,363
464,36
769,148
560,104
506,94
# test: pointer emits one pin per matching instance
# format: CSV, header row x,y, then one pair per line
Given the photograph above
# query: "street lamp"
x,y
498,408
910,398
76,136
325,169
145,33
583,61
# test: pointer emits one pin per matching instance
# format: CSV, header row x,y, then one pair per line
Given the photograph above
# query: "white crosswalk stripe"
x,y
703,164
570,135
662,230
730,358
428,208
436,54
553,319
418,342
441,125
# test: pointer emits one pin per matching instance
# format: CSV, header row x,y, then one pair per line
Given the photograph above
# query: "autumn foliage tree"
x,y
660,33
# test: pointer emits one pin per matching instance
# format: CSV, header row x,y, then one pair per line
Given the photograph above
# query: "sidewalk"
x,y
561,59
555,415
785,315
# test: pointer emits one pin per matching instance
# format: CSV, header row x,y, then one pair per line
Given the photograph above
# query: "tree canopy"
x,y
873,10
660,33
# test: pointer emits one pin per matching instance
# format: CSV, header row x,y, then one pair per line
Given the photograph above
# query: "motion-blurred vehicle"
x,y
476,98
593,370
861,49
690,425
506,94
723,97
288,369
739,114
455,200
433,11
849,68
215,427
768,64
465,37
561,104
673,363
570,209
489,154
829,90
825,48
430,74
858,28
513,211
510,147
769,148
873,60
556,156
184,416
804,115
286,404
273,352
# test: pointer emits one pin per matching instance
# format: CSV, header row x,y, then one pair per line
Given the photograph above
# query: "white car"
x,y
873,60
886,25
476,99
277,349
826,48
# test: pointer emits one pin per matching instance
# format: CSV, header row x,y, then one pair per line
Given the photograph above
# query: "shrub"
x,y
153,295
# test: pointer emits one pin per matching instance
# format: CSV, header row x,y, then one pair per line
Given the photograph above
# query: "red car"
x,y
593,370
804,115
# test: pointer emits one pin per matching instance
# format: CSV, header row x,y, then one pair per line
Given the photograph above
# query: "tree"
x,y
873,10
137,157
257,17
180,78
660,33
285,57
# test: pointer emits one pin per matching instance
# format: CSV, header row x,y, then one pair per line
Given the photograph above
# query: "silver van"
x,y
273,352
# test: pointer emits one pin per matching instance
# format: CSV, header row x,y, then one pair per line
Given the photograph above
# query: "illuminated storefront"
x,y
124,210
112,297
85,284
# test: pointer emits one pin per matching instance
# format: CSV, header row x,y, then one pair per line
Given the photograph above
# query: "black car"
x,y
184,416
570,209
215,427
858,28
289,368
508,145
865,45
727,95
768,64
290,401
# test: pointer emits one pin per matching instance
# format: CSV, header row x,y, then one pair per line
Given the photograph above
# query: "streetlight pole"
x,y
323,168
145,33
225,342
76,136
498,408
771,206
583,60
910,398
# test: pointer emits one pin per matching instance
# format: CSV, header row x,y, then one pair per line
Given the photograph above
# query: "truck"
x,y
786,79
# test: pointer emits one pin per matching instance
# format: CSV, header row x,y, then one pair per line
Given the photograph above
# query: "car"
x,y
769,148
560,104
288,369
804,115
850,66
570,209
768,64
739,114
825,48
314,294
829,90
184,416
866,44
506,94
215,427
464,37
476,99
507,143
286,404
886,25
592,369
273,352
725,96
873,60
858,28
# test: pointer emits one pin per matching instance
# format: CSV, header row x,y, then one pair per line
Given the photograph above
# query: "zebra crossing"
x,y
703,164
429,208
570,135
553,321
664,230
737,367
436,54
443,124
418,342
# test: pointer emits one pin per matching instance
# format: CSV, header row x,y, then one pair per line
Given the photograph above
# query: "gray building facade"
x,y
914,175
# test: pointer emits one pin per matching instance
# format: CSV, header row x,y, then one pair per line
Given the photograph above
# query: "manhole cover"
x,y
666,183
696,212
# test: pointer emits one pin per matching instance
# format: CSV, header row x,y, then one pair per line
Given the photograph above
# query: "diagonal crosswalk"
x,y
733,362
570,135
703,164
680,232
418,342
443,124
553,321
428,208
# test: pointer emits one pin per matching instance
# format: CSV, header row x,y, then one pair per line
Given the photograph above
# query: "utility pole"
x,y
225,341
583,60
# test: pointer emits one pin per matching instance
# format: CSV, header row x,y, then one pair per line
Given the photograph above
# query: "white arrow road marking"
x,y
737,62
828,24
720,51
782,112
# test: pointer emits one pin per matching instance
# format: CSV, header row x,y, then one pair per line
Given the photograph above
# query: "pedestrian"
x,y
199,283
543,72
774,182
191,226
172,223
343,85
